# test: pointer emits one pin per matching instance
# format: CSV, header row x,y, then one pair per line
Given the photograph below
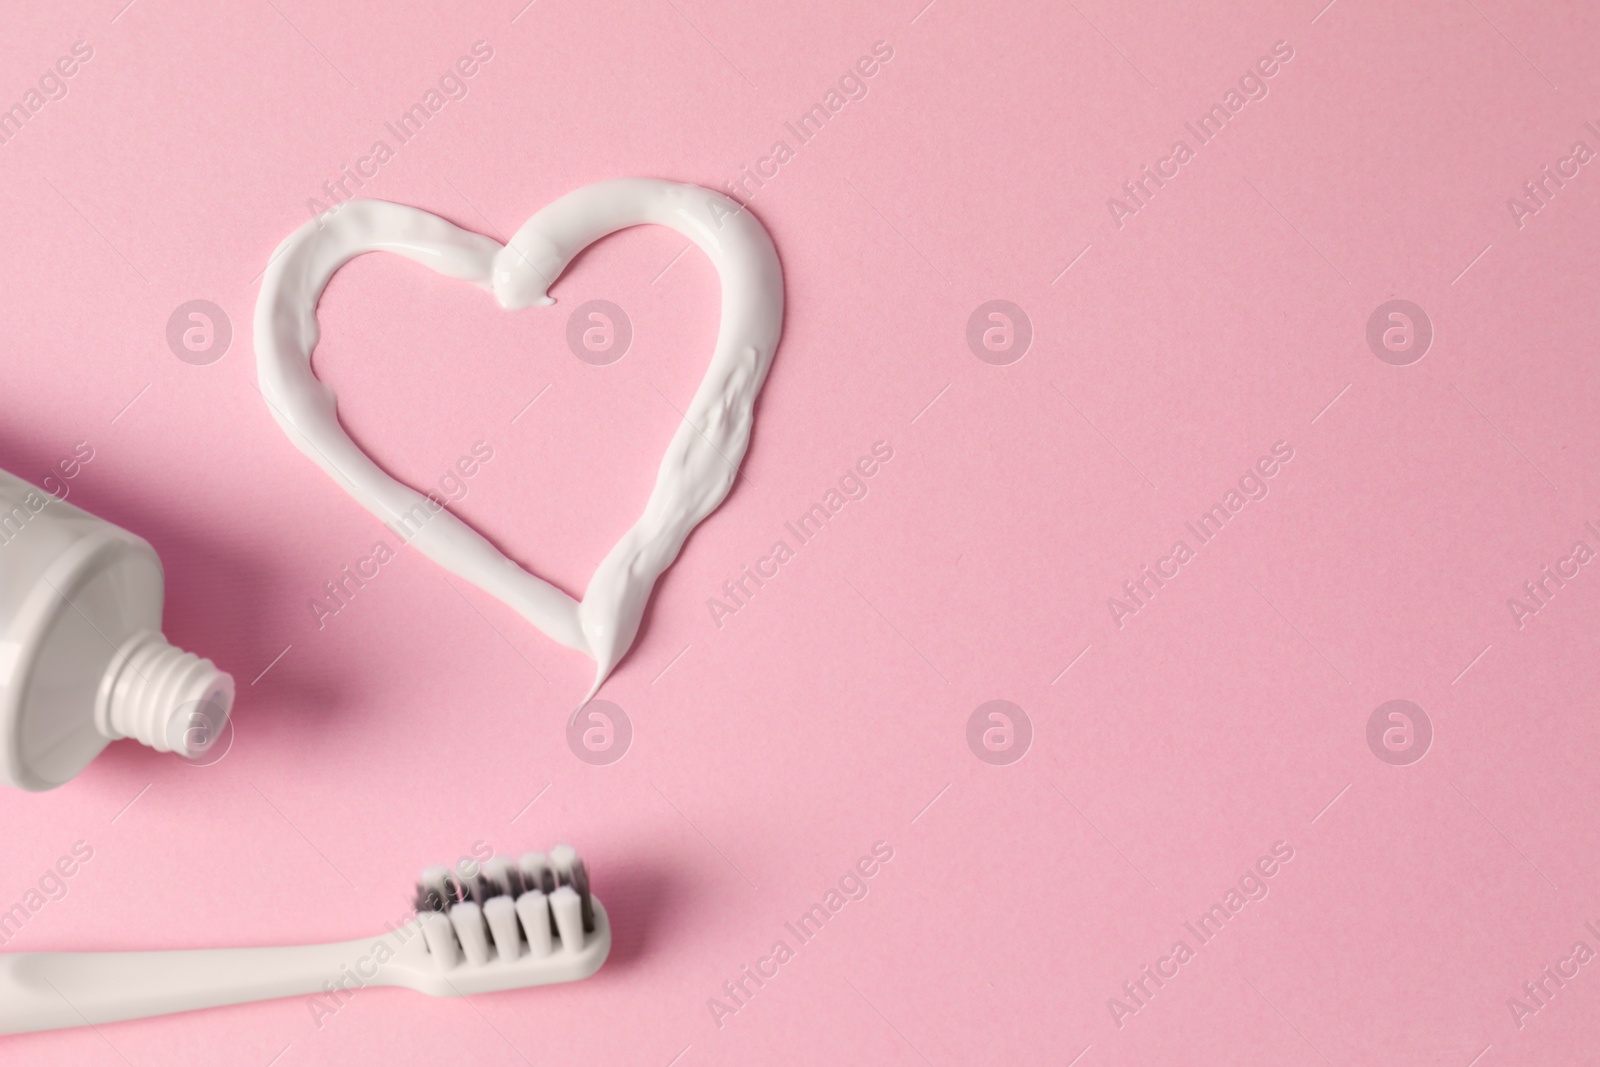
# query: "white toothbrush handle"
x,y
49,990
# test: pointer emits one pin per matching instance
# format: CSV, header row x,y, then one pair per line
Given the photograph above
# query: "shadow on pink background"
x,y
1170,747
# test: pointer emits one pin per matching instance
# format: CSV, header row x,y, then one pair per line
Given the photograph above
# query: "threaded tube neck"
x,y
164,697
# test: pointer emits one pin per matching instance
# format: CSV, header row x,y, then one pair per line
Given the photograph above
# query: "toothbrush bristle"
x,y
428,898
498,871
580,882
548,894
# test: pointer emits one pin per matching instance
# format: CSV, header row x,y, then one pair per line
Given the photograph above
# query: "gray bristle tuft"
x,y
428,899
480,888
580,882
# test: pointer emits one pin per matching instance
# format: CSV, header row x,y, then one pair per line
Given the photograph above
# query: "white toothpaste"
x,y
701,461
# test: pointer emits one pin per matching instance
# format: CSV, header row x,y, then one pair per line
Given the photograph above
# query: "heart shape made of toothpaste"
x,y
702,458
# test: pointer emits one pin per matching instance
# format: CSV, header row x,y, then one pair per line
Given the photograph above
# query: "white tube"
x,y
80,639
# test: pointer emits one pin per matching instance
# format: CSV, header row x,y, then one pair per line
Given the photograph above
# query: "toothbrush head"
x,y
532,922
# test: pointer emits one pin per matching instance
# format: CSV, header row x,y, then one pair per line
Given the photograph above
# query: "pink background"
x,y
830,712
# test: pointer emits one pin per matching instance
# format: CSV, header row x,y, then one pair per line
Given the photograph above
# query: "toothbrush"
x,y
533,922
